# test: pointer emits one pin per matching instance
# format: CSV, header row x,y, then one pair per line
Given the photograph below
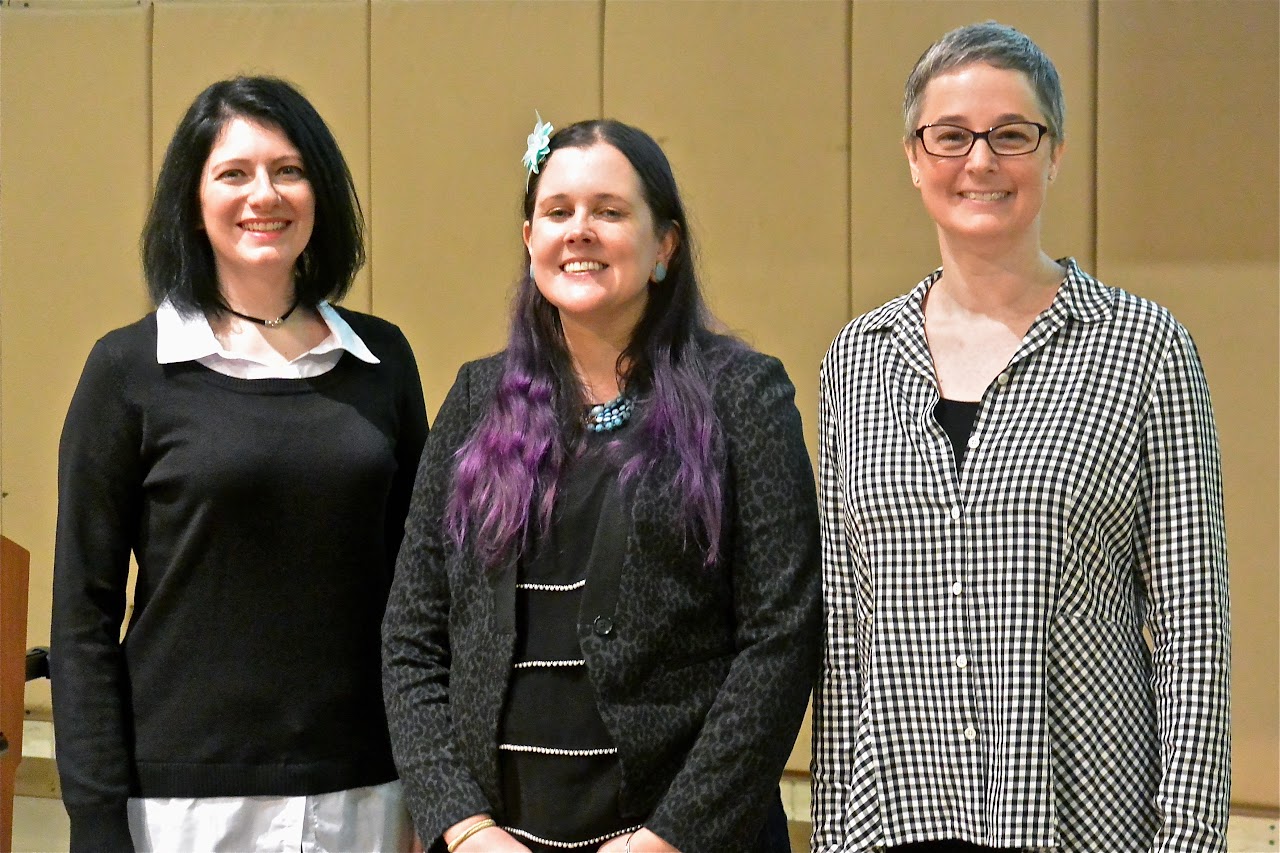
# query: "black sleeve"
x,y
439,790
716,800
409,442
99,497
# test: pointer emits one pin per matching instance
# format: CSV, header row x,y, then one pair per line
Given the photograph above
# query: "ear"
x,y
528,229
913,163
1055,159
670,242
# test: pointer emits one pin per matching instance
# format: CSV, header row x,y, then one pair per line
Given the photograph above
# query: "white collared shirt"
x,y
180,339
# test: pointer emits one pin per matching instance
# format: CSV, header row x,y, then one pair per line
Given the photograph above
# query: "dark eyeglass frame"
x,y
983,135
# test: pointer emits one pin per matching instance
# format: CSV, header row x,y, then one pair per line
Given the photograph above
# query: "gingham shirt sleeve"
x,y
835,711
1182,555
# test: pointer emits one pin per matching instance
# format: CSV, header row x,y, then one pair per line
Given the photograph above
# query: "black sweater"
x,y
264,516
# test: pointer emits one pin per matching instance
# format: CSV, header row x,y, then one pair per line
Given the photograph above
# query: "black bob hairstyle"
x,y
176,256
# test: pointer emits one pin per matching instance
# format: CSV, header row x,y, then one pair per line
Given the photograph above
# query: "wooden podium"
x,y
15,567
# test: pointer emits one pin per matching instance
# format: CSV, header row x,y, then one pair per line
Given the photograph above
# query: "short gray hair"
x,y
996,45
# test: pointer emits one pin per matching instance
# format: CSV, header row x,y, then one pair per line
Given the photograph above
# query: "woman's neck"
x,y
995,281
264,296
595,361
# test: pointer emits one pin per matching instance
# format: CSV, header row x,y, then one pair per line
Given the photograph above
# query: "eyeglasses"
x,y
1007,140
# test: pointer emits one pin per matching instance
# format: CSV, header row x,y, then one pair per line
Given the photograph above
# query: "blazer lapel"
x,y
502,583
604,565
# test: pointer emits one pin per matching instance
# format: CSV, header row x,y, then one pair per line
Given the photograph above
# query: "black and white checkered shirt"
x,y
985,673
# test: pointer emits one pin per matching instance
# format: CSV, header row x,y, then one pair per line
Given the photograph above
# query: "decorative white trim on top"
x,y
553,587
569,845
544,664
555,750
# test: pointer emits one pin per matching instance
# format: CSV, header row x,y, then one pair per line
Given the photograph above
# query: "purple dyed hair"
x,y
506,473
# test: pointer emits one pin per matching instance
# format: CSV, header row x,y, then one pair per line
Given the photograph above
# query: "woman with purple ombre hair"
x,y
605,621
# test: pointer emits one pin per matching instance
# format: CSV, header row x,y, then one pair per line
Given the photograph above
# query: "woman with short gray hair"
x,y
1019,473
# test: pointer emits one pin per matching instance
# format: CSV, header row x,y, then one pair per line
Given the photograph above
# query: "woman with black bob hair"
x,y
603,630
177,256
253,448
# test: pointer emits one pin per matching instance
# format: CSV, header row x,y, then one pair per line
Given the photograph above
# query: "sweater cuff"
x,y
100,829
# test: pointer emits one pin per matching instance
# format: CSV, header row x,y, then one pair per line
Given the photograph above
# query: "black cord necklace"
x,y
270,324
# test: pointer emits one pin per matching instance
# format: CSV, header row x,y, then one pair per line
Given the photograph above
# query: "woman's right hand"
x,y
493,839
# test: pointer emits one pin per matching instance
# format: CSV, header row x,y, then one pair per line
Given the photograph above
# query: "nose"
x,y
263,192
579,229
982,157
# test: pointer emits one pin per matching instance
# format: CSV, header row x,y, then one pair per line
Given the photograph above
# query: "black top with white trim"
x,y
554,749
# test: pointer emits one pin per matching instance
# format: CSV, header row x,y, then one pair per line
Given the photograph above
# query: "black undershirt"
x,y
956,417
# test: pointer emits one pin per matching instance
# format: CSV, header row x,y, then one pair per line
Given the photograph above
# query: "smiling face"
x,y
256,203
592,241
983,196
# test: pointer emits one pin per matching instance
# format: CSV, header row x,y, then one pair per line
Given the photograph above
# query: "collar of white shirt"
x,y
180,338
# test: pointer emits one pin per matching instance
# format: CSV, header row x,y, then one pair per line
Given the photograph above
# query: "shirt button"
x,y
1003,379
961,661
602,625
970,733
955,512
973,442
957,588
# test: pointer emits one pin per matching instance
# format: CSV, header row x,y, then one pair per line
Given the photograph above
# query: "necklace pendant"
x,y
270,324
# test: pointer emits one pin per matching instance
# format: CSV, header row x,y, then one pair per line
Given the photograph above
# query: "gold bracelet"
x,y
470,831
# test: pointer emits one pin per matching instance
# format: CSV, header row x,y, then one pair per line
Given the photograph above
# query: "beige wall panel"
x,y
894,243
322,47
1188,92
749,102
454,89
74,170
1187,215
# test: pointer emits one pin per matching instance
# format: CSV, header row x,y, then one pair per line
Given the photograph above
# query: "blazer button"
x,y
603,626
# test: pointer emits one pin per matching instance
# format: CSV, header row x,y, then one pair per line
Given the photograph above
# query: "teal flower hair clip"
x,y
539,146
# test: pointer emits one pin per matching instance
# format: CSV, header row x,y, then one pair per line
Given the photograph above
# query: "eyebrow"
x,y
598,197
215,164
1000,119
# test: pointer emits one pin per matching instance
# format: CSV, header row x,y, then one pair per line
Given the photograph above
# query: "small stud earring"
x,y
915,179
659,272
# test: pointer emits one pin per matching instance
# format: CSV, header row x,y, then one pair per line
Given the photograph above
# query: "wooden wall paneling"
x,y
1187,215
454,90
894,243
322,47
74,166
748,99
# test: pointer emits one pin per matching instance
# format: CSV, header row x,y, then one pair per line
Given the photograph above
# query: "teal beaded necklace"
x,y
606,417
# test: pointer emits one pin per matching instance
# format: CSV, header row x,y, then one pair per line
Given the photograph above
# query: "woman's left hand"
x,y
642,841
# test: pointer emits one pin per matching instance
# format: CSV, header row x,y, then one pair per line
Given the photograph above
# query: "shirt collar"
x,y
1084,297
1081,296
190,338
